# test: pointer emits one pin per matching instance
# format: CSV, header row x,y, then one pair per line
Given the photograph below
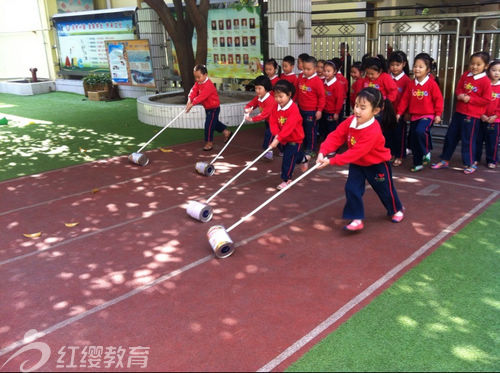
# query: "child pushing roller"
x,y
204,93
367,157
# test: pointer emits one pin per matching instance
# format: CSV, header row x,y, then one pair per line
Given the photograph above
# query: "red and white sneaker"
x,y
284,185
354,226
398,217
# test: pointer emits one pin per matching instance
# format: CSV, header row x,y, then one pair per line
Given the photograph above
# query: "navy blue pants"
x,y
310,129
327,125
400,142
462,128
420,139
268,137
380,178
292,154
212,123
489,135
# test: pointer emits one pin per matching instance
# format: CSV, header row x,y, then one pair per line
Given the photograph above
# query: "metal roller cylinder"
x,y
204,168
219,240
138,158
199,211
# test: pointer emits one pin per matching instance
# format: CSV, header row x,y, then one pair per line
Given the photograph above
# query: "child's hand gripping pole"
x,y
276,195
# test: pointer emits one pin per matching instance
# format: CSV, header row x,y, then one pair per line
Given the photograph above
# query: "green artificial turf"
x,y
78,130
443,315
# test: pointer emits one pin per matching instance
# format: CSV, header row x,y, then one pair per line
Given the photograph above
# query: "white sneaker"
x,y
284,185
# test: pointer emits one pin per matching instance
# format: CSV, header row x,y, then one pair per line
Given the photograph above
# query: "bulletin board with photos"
x,y
234,43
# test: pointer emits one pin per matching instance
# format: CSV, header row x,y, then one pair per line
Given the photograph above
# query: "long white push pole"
x,y
276,195
163,129
228,142
238,174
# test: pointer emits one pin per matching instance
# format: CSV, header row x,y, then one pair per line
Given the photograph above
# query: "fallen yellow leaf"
x,y
69,225
95,190
165,150
32,235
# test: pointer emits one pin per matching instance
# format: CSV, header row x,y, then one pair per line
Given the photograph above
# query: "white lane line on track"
x,y
140,289
299,344
117,225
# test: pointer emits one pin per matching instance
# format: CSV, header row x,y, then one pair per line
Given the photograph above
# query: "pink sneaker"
x,y
397,217
284,185
440,164
354,226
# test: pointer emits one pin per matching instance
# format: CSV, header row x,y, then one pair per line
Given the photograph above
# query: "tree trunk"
x,y
180,28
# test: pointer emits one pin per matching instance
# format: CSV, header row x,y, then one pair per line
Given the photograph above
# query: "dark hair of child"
x,y
373,96
322,61
310,59
201,68
357,65
375,63
263,81
400,57
483,55
303,56
337,62
289,59
490,66
272,61
330,63
285,87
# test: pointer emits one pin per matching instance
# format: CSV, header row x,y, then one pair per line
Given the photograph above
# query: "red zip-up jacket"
x,y
287,124
356,87
402,81
334,94
478,87
494,106
423,98
384,84
365,144
292,78
204,94
266,105
310,93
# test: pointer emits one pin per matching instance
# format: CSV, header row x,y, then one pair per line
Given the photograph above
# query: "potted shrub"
x,y
97,82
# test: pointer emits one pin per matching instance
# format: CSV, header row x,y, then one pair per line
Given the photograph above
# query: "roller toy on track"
x,y
203,211
208,169
140,158
218,237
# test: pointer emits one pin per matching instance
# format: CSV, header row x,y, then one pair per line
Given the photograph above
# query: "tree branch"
x,y
165,15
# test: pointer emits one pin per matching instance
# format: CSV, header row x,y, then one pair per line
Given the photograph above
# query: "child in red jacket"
x,y
334,101
398,66
311,100
473,97
204,93
376,76
367,157
489,129
266,103
424,101
357,86
287,68
272,70
286,127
